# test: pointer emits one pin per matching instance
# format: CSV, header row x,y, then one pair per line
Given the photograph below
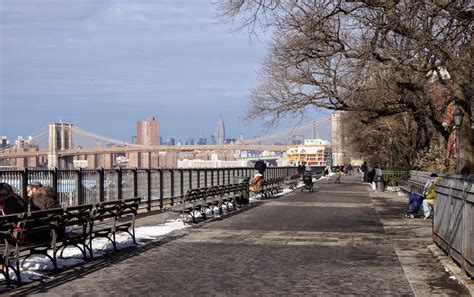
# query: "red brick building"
x,y
148,132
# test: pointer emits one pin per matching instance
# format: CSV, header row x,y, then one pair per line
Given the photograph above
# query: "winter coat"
x,y
10,202
429,189
44,198
256,182
300,169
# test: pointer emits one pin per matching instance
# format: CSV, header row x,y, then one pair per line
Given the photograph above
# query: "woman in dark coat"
x,y
10,202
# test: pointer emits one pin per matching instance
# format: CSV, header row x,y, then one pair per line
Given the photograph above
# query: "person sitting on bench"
x,y
429,195
256,182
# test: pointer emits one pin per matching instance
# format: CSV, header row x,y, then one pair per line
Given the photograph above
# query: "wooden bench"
x,y
7,244
196,202
240,193
228,196
74,230
415,183
28,234
193,203
36,233
271,187
292,181
110,217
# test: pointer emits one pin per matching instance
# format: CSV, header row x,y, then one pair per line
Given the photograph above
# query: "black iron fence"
x,y
158,187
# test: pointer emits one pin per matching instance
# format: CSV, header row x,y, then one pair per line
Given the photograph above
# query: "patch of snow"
x,y
33,266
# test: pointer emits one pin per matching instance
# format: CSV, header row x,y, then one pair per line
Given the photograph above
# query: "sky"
x,y
103,65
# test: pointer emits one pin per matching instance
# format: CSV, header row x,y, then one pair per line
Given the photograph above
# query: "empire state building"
x,y
220,131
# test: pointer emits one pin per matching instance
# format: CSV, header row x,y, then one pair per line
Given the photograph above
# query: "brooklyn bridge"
x,y
62,144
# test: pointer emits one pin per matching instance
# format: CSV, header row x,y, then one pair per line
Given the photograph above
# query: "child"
x,y
338,177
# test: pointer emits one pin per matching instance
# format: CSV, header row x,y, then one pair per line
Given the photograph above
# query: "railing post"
x,y
148,192
190,178
24,184
135,182
54,181
205,178
181,182
79,192
172,186
228,176
101,184
119,183
161,188
198,175
212,177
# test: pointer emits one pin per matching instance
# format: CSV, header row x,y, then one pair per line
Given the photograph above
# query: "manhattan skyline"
x,y
103,65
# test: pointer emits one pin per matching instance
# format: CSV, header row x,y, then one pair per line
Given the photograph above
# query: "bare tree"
x,y
374,57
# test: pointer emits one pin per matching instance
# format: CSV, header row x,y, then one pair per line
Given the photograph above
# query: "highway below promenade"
x,y
343,239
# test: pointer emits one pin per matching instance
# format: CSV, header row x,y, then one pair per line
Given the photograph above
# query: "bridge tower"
x,y
60,138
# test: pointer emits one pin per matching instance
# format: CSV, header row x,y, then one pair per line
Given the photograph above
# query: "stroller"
x,y
308,181
413,208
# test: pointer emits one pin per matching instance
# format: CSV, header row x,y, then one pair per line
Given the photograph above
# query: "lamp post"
x,y
458,116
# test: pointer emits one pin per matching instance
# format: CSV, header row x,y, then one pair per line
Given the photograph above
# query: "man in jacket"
x,y
44,198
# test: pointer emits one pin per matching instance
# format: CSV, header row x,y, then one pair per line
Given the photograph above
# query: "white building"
x,y
213,163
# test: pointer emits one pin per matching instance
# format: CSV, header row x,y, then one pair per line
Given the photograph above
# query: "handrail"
x,y
159,186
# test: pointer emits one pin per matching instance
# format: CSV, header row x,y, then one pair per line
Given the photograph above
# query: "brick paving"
x,y
341,240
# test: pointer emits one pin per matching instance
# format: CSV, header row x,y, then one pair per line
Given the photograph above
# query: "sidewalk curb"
x,y
451,267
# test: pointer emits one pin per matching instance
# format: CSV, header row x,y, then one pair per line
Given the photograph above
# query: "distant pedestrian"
x,y
349,168
300,169
378,176
338,176
326,173
364,168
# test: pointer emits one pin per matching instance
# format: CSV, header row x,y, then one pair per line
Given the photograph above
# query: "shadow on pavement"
x,y
74,272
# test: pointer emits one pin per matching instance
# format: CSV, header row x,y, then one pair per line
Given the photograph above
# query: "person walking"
x,y
364,169
300,169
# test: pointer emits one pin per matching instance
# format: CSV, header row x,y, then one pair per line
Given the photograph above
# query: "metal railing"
x,y
454,219
158,187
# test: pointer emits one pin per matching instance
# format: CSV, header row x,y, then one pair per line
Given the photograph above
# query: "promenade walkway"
x,y
342,240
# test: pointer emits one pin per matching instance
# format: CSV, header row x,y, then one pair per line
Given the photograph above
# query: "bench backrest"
x,y
129,207
38,226
76,216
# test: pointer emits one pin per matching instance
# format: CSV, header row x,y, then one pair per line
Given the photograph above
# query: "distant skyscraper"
x,y
220,131
148,132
